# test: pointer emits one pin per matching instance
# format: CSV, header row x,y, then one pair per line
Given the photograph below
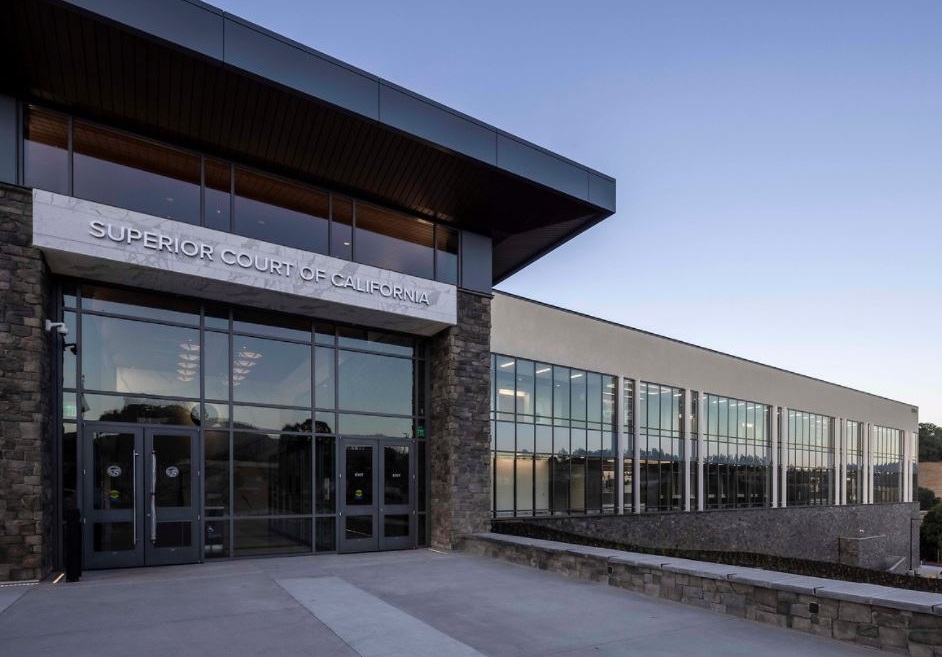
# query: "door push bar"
x,y
134,492
153,497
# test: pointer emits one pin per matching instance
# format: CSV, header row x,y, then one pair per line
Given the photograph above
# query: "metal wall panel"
x,y
530,162
8,140
257,52
602,191
476,263
424,119
187,24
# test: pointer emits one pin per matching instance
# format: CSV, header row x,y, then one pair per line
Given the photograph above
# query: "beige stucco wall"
x,y
535,331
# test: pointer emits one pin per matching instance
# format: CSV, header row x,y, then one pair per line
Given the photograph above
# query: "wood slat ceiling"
x,y
79,63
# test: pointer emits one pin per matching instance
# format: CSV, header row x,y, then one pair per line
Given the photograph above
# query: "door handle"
x,y
134,493
153,496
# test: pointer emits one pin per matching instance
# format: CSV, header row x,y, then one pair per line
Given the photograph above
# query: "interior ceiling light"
x,y
241,370
251,355
244,363
188,366
510,393
189,346
188,356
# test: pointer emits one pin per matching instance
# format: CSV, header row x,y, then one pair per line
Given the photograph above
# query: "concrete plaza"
x,y
411,604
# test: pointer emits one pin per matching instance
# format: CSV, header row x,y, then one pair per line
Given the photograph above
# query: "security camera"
x,y
59,327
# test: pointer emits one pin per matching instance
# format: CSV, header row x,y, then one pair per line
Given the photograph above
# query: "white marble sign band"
x,y
91,240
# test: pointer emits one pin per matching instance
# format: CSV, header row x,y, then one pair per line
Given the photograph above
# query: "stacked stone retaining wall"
x,y
896,620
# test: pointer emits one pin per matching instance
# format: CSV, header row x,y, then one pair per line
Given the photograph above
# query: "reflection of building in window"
x,y
146,176
261,402
810,452
887,456
553,438
737,456
660,432
855,462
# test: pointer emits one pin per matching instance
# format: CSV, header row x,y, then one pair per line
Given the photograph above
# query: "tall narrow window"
x,y
46,151
662,447
446,255
217,197
887,457
854,479
341,227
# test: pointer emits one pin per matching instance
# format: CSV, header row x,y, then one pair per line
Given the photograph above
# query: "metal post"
x,y
868,467
839,461
619,407
845,451
783,474
701,448
685,412
774,421
636,463
907,469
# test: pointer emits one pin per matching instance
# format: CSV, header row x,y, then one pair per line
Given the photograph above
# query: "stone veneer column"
x,y
26,509
460,437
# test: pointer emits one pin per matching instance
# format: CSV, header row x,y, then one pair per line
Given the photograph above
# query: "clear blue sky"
x,y
779,164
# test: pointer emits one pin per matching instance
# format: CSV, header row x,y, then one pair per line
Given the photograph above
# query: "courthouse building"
x,y
248,309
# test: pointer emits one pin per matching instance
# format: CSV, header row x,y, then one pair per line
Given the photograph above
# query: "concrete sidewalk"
x,y
415,603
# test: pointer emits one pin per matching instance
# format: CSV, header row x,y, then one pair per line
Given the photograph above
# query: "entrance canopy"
x,y
190,73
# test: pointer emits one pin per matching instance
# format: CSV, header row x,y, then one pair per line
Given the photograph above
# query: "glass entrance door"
x,y
140,491
377,506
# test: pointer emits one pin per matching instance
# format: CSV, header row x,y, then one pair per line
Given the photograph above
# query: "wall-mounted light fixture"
x,y
59,327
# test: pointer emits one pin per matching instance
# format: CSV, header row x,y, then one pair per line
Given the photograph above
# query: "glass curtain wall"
x,y
886,454
89,161
810,459
660,432
737,458
855,462
270,393
553,439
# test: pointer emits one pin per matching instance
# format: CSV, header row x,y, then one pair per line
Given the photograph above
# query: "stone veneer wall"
x,y
807,532
460,441
26,472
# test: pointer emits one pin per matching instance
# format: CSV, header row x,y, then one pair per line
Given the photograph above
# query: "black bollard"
x,y
73,545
